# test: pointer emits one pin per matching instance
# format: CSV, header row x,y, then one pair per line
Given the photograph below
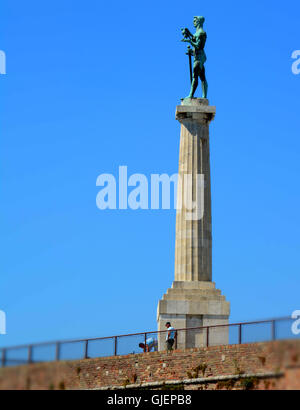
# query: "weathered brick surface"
x,y
161,366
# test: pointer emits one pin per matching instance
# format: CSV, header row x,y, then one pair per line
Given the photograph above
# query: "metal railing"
x,y
234,333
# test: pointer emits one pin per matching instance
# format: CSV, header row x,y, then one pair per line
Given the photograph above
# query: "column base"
x,y
194,304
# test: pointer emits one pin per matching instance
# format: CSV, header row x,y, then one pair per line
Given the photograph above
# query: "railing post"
x,y
86,347
3,358
116,345
240,333
57,352
207,336
273,330
145,344
29,354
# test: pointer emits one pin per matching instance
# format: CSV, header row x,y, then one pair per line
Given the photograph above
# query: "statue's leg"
x,y
193,87
203,82
194,82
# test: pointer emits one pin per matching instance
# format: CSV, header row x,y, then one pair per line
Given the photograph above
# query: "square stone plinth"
x,y
191,305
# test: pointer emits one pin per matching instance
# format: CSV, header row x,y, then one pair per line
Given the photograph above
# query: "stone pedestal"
x,y
193,304
193,300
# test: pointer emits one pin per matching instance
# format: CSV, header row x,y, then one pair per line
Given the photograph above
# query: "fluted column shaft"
x,y
193,249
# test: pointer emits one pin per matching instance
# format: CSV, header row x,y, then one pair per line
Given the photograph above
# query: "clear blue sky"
x,y
93,85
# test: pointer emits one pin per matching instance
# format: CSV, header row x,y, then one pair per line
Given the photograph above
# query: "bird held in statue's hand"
x,y
186,33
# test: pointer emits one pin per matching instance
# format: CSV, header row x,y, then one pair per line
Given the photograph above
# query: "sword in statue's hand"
x,y
190,53
187,36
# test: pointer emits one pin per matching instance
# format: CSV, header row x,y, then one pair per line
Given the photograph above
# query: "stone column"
x,y
193,300
193,229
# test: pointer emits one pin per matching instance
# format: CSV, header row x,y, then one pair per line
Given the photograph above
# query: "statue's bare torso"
x,y
199,53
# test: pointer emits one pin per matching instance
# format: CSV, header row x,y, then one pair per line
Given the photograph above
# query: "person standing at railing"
x,y
170,336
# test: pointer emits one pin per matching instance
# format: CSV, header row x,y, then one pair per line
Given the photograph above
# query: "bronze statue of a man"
x,y
198,41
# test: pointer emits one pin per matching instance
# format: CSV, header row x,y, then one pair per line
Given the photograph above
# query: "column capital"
x,y
195,110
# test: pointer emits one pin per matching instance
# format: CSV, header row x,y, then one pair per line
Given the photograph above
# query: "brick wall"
x,y
276,364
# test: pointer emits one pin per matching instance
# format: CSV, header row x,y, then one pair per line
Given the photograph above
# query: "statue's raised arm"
x,y
197,41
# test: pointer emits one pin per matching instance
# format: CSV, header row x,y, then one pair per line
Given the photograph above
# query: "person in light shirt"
x,y
170,336
150,344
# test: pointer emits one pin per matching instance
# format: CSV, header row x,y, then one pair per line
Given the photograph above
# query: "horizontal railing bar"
x,y
62,342
25,361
